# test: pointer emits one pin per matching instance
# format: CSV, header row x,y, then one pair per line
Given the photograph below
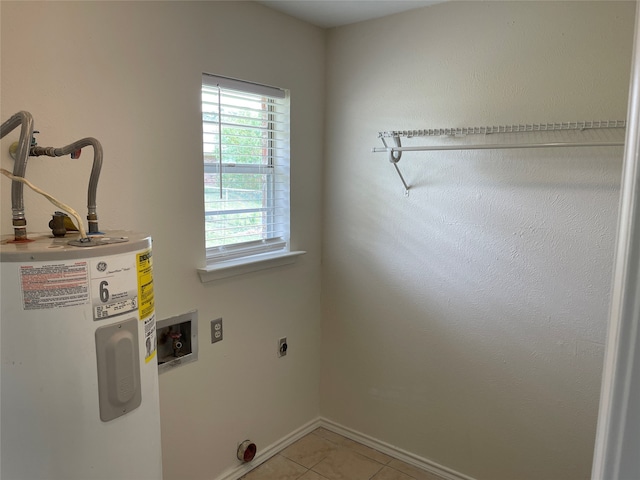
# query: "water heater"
x,y
79,378
79,383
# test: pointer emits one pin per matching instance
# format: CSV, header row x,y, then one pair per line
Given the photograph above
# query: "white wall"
x,y
128,73
466,323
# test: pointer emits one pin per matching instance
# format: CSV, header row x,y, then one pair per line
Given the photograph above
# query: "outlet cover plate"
x,y
216,330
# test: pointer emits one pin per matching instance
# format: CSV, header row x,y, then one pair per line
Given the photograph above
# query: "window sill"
x,y
241,266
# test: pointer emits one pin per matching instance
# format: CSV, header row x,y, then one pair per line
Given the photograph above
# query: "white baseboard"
x,y
265,454
235,473
395,452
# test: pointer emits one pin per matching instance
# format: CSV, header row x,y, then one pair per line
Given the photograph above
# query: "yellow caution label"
x,y
146,302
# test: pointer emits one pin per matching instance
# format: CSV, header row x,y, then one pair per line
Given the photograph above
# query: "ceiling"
x,y
334,13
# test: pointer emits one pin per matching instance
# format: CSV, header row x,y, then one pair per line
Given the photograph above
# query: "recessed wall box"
x,y
177,341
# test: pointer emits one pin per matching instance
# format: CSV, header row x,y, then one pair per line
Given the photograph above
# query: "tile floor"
x,y
324,455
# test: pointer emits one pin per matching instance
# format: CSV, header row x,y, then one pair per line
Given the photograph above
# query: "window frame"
x,y
275,248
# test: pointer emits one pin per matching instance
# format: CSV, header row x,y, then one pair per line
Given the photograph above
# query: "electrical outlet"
x,y
216,330
282,347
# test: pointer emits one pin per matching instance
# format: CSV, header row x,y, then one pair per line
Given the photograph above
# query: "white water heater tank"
x,y
79,383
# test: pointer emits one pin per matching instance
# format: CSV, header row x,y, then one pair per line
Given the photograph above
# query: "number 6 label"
x,y
114,286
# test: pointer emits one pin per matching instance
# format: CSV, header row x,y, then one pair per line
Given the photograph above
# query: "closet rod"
x,y
496,146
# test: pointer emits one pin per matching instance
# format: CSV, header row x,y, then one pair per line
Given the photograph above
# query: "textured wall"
x,y
129,73
465,323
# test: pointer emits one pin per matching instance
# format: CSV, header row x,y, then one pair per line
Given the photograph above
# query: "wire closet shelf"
x,y
608,133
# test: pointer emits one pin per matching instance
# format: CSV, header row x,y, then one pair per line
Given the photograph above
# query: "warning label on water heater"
x,y
145,284
54,285
144,263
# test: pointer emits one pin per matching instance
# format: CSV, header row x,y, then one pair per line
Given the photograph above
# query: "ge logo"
x,y
102,266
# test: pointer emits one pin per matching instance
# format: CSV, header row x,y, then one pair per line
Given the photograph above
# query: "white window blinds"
x,y
245,140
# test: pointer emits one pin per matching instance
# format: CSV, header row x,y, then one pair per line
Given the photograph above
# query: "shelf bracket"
x,y
394,158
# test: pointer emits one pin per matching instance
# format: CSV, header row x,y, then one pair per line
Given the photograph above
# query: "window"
x,y
245,143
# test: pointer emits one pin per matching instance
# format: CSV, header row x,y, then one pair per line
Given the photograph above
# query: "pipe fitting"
x,y
246,451
56,224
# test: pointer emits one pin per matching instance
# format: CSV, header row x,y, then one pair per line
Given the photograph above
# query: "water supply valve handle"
x,y
177,344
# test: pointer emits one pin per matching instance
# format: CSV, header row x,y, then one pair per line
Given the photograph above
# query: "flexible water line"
x,y
92,216
25,120
25,149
